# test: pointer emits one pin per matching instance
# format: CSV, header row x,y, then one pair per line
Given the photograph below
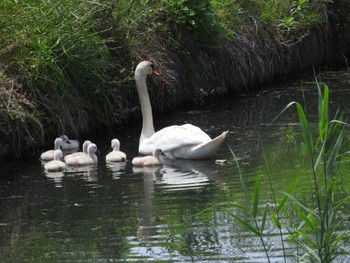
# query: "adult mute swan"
x,y
158,157
115,155
69,144
56,165
82,160
183,142
83,153
49,155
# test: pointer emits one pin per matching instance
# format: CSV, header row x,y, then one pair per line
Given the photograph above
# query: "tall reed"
x,y
316,231
312,227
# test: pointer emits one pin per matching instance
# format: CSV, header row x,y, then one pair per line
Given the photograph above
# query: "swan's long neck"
x,y
146,108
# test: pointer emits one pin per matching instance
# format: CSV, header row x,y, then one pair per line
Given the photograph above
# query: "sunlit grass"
x,y
75,59
55,52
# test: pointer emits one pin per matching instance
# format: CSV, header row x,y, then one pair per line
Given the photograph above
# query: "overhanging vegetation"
x,y
67,66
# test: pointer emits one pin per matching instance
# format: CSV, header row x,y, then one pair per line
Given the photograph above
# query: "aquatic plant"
x,y
313,227
316,226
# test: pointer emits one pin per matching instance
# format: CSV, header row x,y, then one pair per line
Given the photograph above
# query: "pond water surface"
x,y
119,213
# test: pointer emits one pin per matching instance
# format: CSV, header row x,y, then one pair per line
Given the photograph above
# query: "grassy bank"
x,y
67,66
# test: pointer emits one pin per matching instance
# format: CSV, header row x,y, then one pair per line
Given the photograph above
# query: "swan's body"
x,y
49,155
157,158
69,144
83,153
56,165
115,155
82,160
184,142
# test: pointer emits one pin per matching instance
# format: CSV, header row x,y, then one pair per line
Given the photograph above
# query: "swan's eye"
x,y
153,69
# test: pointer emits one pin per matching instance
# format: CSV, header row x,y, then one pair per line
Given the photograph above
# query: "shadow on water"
x,y
119,213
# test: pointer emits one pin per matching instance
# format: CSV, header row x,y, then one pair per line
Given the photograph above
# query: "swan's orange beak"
x,y
155,72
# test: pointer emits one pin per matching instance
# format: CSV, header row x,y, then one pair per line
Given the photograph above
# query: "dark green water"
x,y
122,214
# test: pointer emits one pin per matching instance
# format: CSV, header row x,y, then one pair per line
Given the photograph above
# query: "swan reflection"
x,y
176,179
183,174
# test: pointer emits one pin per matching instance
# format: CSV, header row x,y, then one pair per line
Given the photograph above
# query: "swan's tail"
x,y
207,150
218,141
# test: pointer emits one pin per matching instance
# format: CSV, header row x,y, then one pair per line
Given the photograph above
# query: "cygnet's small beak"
x,y
163,154
68,141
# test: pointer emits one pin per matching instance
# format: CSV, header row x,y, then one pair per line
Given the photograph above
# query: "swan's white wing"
x,y
174,137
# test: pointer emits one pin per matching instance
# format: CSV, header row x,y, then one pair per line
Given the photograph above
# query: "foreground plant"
x,y
317,230
312,227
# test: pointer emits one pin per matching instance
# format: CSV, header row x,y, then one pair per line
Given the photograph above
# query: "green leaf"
x,y
284,109
334,154
323,114
286,197
311,253
306,129
256,196
241,178
306,220
320,156
243,223
308,240
339,238
263,221
275,219
333,133
226,204
295,200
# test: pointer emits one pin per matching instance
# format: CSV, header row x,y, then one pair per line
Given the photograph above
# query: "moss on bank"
x,y
67,66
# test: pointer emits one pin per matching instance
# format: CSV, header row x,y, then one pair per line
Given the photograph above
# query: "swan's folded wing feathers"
x,y
174,137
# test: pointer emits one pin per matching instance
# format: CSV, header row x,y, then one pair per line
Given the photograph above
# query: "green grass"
x,y
19,124
74,60
54,50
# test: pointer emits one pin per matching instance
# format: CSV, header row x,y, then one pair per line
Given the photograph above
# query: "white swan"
x,y
69,144
115,155
56,165
83,153
184,142
82,160
49,155
157,158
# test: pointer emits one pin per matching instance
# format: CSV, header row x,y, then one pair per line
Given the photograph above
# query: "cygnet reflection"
x,y
56,177
116,168
88,173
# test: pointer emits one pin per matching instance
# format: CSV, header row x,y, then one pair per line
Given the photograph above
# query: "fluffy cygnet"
x,y
115,155
82,160
49,155
157,158
56,165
